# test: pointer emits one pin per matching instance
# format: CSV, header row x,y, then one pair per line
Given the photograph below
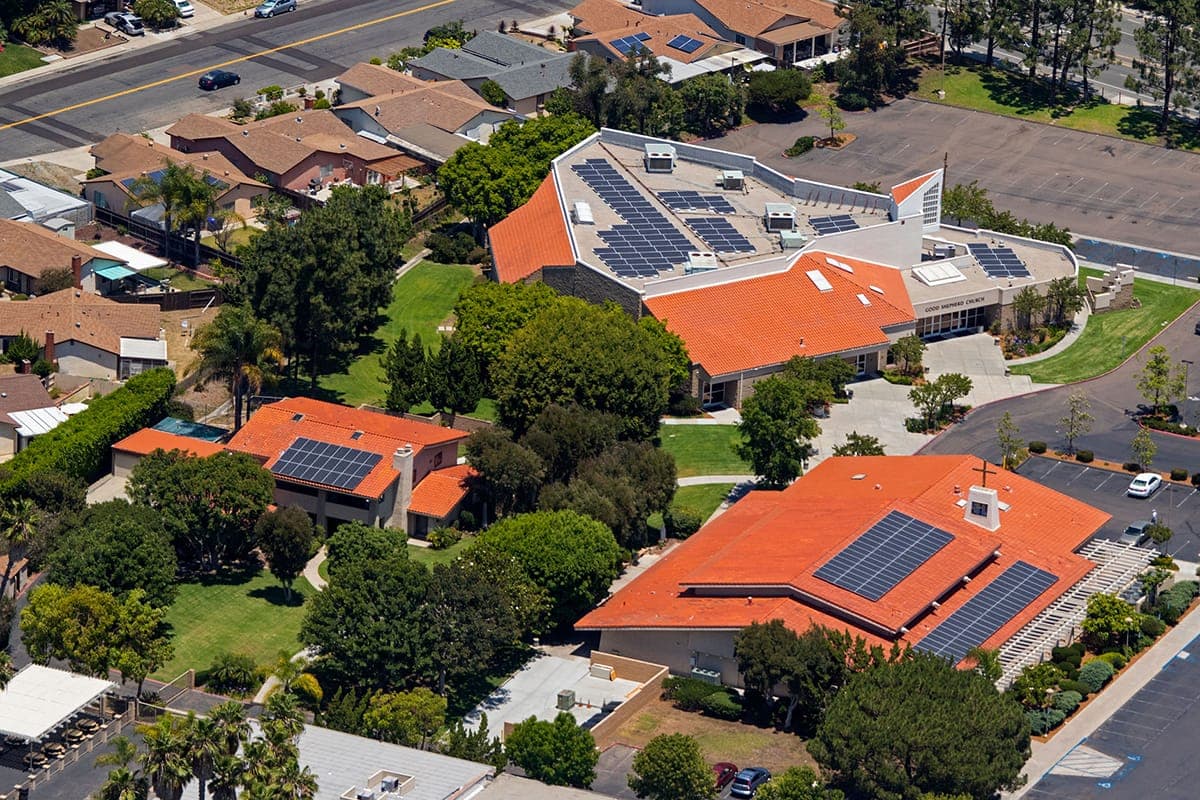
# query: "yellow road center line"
x,y
240,59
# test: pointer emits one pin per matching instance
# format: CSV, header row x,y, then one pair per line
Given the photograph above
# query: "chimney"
x,y
402,462
26,366
49,347
77,270
982,508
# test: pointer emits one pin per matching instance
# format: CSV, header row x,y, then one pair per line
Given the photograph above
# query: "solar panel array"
x,y
648,243
627,43
834,224
685,43
692,200
987,612
886,554
324,463
999,262
719,234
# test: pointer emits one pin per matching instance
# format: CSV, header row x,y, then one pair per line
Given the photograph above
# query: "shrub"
x,y
1095,674
467,521
441,538
1196,479
95,172
308,691
687,693
722,705
852,101
272,92
684,405
493,93
682,521
1151,626
1074,686
1067,702
1192,588
1174,601
1117,660
450,248
1072,654
1041,722
899,378
800,146
1068,669
915,425
231,672
1131,466
321,102
276,109
1084,456
1037,447
1179,474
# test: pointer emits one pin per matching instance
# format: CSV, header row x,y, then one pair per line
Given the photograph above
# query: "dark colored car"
x,y
746,782
218,78
1198,327
724,773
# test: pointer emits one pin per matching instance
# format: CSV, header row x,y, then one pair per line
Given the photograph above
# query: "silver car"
x,y
269,8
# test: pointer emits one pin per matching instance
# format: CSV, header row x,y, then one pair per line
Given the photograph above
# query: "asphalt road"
x,y
154,86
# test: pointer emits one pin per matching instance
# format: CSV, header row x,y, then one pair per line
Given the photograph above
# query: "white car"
x,y
185,8
1144,485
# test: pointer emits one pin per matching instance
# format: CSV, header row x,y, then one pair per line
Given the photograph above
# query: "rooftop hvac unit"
x,y
389,784
780,217
944,251
659,157
700,262
566,700
365,794
732,179
582,213
602,671
792,240
707,675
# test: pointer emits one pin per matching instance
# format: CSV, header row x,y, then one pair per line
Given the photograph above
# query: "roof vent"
x,y
858,476
245,132
297,417
299,120
659,157
341,145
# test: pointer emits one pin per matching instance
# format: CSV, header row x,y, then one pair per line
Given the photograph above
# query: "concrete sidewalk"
x,y
1046,755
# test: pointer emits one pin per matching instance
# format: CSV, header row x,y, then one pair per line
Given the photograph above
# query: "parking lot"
x,y
1144,750
1178,506
612,773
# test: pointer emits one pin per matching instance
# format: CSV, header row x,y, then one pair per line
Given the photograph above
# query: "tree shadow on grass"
x,y
277,596
302,387
1142,123
228,575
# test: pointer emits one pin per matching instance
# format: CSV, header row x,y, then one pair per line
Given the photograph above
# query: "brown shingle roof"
x,y
31,249
447,105
662,30
83,317
592,16
374,79
754,17
21,393
125,156
202,126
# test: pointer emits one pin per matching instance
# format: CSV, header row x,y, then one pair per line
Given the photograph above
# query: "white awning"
x,y
71,409
135,259
38,699
36,421
146,349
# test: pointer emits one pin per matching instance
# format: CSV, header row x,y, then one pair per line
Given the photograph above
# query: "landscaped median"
x,y
1112,337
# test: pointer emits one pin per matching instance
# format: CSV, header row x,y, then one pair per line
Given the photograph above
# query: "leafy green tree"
x,y
933,397
1143,448
779,91
286,538
510,475
453,377
566,436
1107,621
1078,420
874,63
7,669
968,202
50,21
711,103
1159,534
492,92
1156,381
776,429
920,725
404,364
241,349
158,14
1008,436
473,745
486,183
798,783
987,662
829,112
1034,687
528,602
75,625
209,505
962,24
22,347
573,557
671,767
904,20
908,351
559,753
365,627
142,640
1165,62
489,314
598,357
540,140
355,542
1064,298
1027,305
640,101
859,444
408,718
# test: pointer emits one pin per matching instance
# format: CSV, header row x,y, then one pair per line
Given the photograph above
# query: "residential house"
x,y
526,72
342,464
786,30
28,251
128,452
920,551
23,198
88,335
125,158
26,410
427,120
301,152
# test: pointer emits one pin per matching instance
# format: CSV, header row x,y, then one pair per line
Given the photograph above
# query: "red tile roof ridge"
x,y
531,237
903,191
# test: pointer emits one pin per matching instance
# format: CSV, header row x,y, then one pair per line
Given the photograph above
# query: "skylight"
x,y
819,280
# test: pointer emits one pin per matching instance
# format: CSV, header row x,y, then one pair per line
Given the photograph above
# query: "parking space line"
x,y
1187,497
1106,480
1078,475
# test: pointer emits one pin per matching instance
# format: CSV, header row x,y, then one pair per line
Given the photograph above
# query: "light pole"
x,y
1128,627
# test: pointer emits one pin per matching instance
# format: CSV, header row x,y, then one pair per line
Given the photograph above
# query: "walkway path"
x,y
311,573
1077,326
703,480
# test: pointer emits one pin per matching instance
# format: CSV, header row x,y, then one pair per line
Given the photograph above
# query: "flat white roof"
x,y
36,421
38,699
134,258
152,349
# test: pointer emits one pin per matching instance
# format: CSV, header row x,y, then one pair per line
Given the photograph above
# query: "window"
x,y
979,509
713,393
930,204
965,319
437,459
326,170
98,199
860,364
737,37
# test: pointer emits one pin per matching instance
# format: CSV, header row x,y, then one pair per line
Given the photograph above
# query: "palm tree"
x,y
205,745
241,348
232,728
294,782
227,773
165,761
123,754
287,669
184,194
282,711
18,524
123,783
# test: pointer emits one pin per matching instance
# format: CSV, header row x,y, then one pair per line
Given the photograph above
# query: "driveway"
x,y
1091,184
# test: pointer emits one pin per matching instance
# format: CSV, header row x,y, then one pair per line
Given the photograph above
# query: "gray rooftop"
x,y
10,208
454,64
531,80
511,787
40,202
505,50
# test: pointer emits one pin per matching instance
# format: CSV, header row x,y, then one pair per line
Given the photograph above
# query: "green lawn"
x,y
239,237
421,301
1010,93
1111,338
240,616
180,280
703,449
429,557
703,499
18,58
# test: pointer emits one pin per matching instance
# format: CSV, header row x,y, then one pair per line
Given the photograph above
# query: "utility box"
x,y
566,700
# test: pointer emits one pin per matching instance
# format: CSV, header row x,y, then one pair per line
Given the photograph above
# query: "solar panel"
x,y
886,554
999,262
692,200
325,463
685,43
627,43
988,611
719,234
833,224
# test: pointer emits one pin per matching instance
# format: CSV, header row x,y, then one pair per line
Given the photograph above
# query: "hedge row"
x,y
80,446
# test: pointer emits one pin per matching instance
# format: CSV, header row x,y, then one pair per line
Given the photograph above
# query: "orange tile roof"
x,y
905,190
147,440
764,550
440,491
743,325
274,427
532,237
